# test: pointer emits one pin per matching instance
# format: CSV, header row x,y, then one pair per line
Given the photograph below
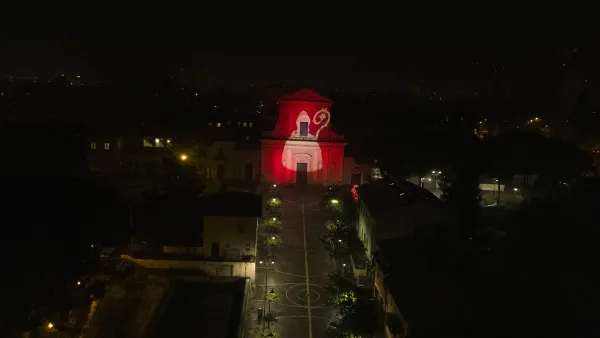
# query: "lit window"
x,y
218,124
210,124
106,145
93,145
245,124
239,124
250,124
303,128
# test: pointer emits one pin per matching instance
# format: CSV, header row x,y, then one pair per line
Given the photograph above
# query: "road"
x,y
299,274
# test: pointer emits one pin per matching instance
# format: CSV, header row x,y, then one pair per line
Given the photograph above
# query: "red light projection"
x,y
354,192
302,148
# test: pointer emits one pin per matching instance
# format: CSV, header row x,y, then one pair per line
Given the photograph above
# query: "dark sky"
x,y
238,43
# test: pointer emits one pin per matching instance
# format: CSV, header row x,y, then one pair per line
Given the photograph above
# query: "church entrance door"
x,y
301,173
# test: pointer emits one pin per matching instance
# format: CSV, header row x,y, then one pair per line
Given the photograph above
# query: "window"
x,y
218,124
303,128
239,123
208,173
106,145
93,145
210,124
220,171
250,124
245,124
247,247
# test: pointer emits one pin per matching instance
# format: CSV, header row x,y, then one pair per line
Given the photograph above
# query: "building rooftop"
x,y
199,307
425,281
399,207
233,203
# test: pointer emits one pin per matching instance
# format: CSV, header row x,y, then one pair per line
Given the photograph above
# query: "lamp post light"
x,y
335,202
266,262
183,157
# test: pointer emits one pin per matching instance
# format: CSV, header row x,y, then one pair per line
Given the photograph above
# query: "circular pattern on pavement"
x,y
297,294
303,295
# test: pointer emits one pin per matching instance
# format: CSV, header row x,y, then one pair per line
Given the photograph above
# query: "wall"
x,y
364,228
387,301
350,167
237,232
279,158
491,187
240,269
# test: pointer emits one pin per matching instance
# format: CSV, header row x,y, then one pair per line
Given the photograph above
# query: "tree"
x,y
461,191
271,225
341,240
360,319
273,241
265,333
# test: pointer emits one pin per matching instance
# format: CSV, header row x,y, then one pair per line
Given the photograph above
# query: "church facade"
x,y
303,147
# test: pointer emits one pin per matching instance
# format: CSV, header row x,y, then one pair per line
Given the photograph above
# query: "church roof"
x,y
305,95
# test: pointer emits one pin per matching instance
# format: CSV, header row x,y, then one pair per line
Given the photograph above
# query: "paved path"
x,y
300,271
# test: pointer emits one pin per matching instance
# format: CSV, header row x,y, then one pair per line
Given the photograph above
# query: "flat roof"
x,y
202,309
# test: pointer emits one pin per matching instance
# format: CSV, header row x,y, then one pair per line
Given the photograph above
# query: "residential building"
x,y
301,148
230,225
419,290
391,209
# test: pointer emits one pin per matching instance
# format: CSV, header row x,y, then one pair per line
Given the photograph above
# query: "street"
x,y
299,272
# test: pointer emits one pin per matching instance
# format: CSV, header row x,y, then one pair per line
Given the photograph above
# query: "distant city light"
x,y
78,282
274,185
334,201
274,218
516,189
183,157
260,262
50,325
157,140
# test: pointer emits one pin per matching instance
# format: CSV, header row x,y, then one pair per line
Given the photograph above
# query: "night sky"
x,y
296,43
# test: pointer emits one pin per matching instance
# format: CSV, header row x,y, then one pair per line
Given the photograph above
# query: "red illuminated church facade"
x,y
303,148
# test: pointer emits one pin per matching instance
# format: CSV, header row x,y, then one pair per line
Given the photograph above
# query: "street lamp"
x,y
516,189
274,219
183,157
50,325
274,185
334,201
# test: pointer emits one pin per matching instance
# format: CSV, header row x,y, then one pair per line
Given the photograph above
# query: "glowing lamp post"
x,y
183,157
